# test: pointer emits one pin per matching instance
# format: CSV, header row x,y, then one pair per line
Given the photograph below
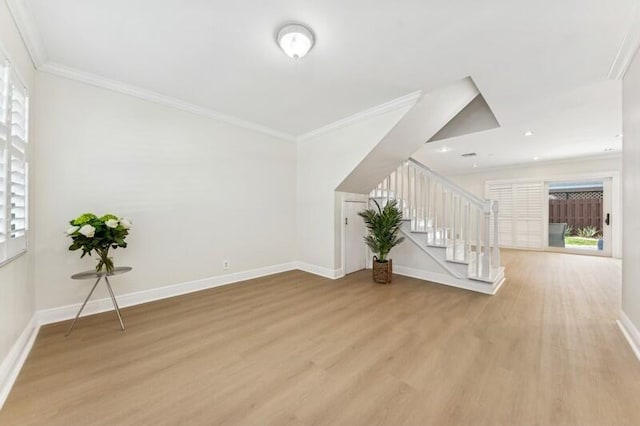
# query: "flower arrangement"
x,y
92,233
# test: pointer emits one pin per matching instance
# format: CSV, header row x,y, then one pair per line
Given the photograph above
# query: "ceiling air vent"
x,y
469,154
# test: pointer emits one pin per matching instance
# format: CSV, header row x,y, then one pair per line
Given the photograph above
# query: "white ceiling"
x,y
541,65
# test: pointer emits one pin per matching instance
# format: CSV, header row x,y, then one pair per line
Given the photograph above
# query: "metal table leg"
x,y
83,305
115,304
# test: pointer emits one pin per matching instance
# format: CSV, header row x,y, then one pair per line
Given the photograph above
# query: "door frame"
x,y
349,198
616,209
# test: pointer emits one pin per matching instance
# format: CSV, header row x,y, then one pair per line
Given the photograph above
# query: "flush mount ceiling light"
x,y
295,40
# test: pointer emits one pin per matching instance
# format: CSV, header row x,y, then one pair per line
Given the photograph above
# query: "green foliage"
x,y
91,233
587,232
83,219
570,230
384,225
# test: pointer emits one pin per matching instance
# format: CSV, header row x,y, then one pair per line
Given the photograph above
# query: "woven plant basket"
x,y
382,271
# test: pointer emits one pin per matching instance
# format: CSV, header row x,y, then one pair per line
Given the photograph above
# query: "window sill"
x,y
11,259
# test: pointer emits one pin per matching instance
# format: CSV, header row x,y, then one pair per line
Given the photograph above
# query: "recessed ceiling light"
x,y
444,149
608,149
536,158
528,133
475,165
295,40
619,135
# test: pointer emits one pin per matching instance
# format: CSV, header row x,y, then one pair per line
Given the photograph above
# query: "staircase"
x,y
453,227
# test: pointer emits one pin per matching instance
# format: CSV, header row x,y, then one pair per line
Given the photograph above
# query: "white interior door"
x,y
354,232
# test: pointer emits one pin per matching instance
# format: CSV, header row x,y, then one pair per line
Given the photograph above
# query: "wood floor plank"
x,y
297,349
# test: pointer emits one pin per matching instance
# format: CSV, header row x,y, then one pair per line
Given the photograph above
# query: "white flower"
x,y
72,229
88,231
111,223
126,223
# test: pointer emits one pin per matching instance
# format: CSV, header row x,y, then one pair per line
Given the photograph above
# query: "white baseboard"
x,y
48,316
630,332
13,362
434,277
320,270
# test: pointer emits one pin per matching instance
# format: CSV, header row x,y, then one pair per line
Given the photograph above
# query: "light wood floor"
x,y
298,349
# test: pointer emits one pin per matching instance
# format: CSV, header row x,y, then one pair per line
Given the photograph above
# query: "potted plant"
x,y
383,225
92,233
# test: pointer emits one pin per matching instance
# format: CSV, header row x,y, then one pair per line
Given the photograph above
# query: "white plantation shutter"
x,y
528,214
503,194
521,213
4,156
18,168
14,130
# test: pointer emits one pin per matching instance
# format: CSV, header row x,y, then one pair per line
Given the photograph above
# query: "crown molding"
x,y
628,48
28,31
151,96
35,46
403,101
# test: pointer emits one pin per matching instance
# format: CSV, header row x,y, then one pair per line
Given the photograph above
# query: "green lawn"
x,y
579,241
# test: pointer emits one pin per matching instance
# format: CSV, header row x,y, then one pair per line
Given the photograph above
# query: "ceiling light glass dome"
x,y
295,40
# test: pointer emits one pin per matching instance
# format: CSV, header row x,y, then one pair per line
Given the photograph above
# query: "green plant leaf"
x,y
383,225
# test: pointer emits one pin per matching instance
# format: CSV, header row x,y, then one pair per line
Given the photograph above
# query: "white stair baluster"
x,y
435,211
420,201
425,182
454,214
486,259
445,214
388,188
413,198
478,244
395,185
496,235
467,231
428,213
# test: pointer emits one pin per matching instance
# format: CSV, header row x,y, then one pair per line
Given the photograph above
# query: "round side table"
x,y
99,275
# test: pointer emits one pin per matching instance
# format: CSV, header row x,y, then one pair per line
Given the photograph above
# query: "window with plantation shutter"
x,y
521,213
503,194
4,138
14,130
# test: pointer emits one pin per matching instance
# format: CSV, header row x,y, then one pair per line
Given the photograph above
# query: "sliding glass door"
x,y
580,216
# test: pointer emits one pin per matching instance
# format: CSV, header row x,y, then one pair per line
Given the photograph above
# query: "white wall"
x,y
16,281
631,192
199,191
323,163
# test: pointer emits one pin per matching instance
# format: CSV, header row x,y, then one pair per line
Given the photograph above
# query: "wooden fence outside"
x,y
577,213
